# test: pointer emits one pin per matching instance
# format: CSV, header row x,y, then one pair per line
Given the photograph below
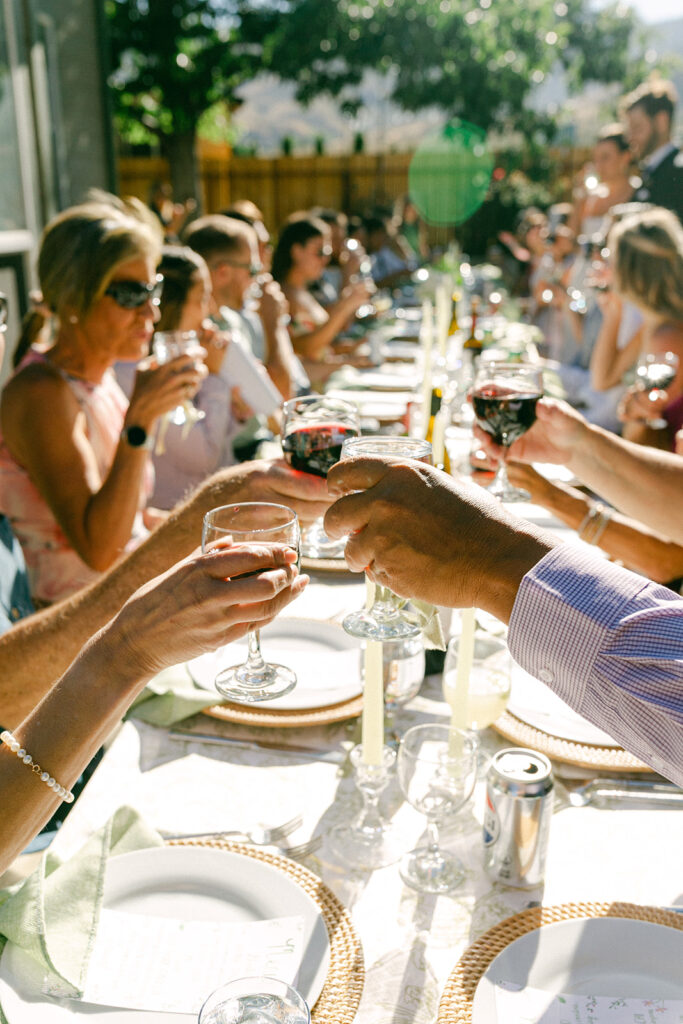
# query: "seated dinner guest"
x,y
74,459
185,454
648,271
607,641
193,608
299,260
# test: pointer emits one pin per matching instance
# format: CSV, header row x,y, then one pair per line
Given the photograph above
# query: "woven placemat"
x,y
583,755
255,715
456,1002
340,996
333,565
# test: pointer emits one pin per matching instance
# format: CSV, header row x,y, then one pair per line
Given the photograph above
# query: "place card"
x,y
170,965
533,1006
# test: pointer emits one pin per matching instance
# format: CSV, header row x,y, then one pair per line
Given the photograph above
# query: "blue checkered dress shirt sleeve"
x,y
610,644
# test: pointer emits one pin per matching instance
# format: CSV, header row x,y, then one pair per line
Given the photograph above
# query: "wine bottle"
x,y
441,454
454,326
473,344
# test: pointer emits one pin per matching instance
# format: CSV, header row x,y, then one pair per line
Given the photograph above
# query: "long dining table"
x,y
208,775
195,782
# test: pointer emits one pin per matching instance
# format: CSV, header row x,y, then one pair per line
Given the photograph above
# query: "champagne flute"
x,y
255,680
437,770
504,400
385,619
655,372
313,431
167,345
260,1000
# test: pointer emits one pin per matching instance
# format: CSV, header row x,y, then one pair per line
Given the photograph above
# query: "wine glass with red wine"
x,y
504,400
313,432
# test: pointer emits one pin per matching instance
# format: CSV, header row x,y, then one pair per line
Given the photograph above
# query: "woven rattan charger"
x,y
340,996
583,755
456,1002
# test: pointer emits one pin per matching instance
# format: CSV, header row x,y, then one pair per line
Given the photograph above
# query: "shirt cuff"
x,y
565,609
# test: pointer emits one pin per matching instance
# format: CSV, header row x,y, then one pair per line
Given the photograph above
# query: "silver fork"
x,y
259,835
303,849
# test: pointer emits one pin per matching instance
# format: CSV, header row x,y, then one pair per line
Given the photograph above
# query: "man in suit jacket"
x,y
649,112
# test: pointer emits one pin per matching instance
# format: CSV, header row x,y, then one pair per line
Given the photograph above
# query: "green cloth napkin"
x,y
53,914
170,697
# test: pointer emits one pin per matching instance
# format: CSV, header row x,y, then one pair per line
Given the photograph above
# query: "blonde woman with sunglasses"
x,y
74,454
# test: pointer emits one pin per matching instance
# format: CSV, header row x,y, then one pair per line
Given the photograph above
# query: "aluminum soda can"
x,y
519,806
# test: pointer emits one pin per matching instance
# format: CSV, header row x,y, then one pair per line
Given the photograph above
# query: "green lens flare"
x,y
450,173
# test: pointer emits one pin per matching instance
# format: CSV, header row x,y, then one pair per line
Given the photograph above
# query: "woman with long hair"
x,y
300,257
74,454
647,260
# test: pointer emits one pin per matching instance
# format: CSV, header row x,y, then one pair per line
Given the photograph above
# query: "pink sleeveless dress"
x,y
55,570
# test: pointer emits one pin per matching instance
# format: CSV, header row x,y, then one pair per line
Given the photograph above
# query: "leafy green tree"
x,y
174,59
477,61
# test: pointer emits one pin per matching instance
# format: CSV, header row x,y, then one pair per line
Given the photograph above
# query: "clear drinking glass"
x,y
167,345
313,431
488,689
266,523
437,770
257,1000
384,620
655,372
504,400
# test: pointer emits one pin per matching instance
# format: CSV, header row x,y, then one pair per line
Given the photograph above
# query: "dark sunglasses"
x,y
133,294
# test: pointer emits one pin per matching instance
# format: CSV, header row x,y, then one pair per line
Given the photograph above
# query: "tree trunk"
x,y
181,152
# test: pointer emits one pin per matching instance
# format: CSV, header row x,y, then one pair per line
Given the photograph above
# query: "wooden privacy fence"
x,y
281,185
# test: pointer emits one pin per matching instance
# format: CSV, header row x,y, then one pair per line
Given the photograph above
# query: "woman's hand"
x,y
158,389
638,405
552,438
200,605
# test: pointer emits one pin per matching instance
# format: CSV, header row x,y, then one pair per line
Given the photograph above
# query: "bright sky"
x,y
652,11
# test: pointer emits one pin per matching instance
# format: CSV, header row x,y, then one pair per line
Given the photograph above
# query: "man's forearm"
x,y
639,481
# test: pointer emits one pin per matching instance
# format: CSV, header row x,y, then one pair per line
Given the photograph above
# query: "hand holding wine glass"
x,y
504,400
255,680
168,345
655,372
384,620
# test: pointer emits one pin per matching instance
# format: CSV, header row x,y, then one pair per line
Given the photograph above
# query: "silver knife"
x,y
330,756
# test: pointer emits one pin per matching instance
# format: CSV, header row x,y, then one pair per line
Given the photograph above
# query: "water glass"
x,y
437,770
261,521
258,1000
168,345
488,689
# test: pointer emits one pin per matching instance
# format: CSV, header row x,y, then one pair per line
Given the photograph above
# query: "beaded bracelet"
x,y
16,748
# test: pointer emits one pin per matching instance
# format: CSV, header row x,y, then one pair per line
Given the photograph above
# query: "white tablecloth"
x,y
411,942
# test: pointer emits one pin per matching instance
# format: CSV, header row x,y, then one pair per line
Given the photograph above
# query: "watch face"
x,y
136,436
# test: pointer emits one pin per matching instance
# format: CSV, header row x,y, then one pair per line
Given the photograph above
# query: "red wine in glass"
x,y
506,413
315,449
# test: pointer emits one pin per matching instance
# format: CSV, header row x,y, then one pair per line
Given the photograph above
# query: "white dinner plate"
x,y
325,658
192,884
603,956
534,703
